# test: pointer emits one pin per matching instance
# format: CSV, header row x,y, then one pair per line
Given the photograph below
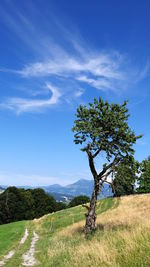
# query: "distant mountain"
x,y
53,188
81,187
66,193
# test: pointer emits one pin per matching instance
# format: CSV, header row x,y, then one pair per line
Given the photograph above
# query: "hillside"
x,y
122,238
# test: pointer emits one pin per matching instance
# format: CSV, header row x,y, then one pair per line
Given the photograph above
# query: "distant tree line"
x,y
79,200
20,204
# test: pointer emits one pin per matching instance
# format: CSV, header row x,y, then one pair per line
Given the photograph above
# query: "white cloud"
x,y
79,93
103,84
20,105
100,70
66,60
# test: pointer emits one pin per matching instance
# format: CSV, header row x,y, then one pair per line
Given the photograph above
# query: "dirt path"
x,y
7,257
12,252
28,257
22,241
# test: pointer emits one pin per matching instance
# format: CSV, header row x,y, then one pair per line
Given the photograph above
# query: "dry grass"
x,y
122,238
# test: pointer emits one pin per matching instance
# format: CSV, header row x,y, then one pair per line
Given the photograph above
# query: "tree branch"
x,y
107,174
91,162
112,185
105,169
96,153
86,206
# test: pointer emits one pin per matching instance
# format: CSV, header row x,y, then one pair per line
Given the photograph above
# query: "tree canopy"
x,y
78,201
144,177
19,204
125,176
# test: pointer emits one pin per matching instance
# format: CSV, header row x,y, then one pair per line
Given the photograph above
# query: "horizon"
x,y
54,57
35,186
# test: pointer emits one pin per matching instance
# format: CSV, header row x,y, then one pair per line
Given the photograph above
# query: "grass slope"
x,y
122,238
10,234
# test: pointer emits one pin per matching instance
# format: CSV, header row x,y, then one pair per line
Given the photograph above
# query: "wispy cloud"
x,y
20,105
79,93
67,61
99,70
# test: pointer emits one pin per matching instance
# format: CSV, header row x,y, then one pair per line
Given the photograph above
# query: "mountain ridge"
x,y
80,187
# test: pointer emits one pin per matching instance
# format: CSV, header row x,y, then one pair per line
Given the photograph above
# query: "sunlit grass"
x,y
61,222
122,238
10,235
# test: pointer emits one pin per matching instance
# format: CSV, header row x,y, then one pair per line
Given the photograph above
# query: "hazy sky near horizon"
x,y
54,56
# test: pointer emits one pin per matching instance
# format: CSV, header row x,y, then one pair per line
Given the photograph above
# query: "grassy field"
x,y
10,235
122,238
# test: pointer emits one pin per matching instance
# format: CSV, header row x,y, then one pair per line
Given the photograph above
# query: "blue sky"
x,y
55,55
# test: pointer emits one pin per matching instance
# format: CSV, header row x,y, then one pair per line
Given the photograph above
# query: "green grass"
x,y
10,234
47,229
60,220
16,260
70,216
121,240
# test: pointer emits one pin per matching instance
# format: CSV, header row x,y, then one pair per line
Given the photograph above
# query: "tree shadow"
x,y
113,227
103,228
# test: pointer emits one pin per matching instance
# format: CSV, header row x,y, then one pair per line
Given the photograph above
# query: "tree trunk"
x,y
90,224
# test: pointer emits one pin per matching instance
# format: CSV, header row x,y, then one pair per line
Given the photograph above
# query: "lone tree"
x,y
102,129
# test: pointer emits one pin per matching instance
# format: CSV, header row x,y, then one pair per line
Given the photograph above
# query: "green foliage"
x,y
104,127
19,204
43,203
144,178
78,201
125,177
60,206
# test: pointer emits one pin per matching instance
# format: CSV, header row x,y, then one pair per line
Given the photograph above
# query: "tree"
x,y
124,177
102,128
43,203
19,204
144,178
78,201
60,206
